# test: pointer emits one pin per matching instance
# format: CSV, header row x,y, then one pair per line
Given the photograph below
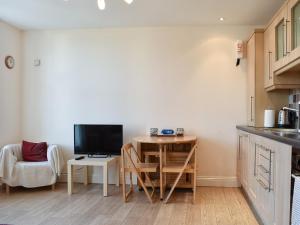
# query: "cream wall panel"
x,y
142,78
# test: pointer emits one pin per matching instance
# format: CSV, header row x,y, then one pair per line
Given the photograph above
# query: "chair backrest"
x,y
129,156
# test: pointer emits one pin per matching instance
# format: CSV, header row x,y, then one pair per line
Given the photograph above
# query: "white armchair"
x,y
16,172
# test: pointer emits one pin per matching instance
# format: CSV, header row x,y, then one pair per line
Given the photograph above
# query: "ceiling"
x,y
56,14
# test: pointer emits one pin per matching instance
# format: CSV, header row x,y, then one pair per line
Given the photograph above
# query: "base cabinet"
x,y
243,140
268,177
252,182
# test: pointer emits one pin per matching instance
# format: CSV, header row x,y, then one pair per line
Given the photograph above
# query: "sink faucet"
x,y
297,114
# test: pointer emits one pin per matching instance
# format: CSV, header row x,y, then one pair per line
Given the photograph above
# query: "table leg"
x,y
160,171
105,180
70,179
85,175
118,172
165,163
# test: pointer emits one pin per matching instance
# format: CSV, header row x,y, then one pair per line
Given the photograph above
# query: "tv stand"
x,y
99,156
100,162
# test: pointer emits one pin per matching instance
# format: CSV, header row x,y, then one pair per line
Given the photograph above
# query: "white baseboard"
x,y
202,181
210,181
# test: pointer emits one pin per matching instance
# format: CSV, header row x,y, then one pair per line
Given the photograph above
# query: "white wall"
x,y
139,77
10,44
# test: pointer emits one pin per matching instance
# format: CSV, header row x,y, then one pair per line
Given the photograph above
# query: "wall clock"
x,y
9,62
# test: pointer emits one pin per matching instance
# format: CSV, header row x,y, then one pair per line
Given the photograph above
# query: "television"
x,y
98,140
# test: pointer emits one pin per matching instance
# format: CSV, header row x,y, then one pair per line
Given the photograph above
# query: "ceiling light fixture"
x,y
101,3
221,19
128,1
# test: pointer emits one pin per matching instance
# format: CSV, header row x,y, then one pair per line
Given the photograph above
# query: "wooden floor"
x,y
214,206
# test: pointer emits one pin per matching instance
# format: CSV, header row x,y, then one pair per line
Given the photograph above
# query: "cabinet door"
x,y
293,30
265,176
244,159
283,156
280,31
251,81
242,154
252,183
274,180
269,46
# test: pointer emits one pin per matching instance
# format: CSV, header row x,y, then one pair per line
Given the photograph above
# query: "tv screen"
x,y
98,139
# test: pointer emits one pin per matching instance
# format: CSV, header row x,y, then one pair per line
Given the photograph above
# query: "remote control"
x,y
79,158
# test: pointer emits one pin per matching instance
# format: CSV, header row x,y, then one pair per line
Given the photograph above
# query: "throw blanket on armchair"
x,y
16,172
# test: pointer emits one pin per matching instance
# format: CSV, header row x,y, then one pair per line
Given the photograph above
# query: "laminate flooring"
x,y
87,206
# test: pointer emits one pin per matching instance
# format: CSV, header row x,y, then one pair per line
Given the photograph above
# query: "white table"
x,y
100,162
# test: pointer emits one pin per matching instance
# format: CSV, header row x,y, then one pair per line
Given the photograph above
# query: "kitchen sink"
x,y
282,132
286,133
285,130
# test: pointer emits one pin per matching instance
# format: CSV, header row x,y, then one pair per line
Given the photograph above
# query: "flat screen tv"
x,y
98,140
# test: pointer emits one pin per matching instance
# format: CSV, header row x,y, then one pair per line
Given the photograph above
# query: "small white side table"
x,y
102,162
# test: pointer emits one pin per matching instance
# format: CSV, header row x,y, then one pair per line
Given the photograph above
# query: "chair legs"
x,y
126,194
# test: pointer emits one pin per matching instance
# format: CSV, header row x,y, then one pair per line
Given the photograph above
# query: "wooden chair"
x,y
189,166
132,164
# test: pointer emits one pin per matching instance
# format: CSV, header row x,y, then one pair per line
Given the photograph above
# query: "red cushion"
x,y
34,152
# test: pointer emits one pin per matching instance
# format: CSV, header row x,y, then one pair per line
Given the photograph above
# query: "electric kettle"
x,y
283,119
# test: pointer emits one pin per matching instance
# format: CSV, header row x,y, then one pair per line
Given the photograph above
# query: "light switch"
x,y
37,62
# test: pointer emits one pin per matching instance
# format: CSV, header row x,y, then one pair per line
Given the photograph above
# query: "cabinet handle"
x,y
255,155
286,37
262,184
270,170
239,150
251,102
270,77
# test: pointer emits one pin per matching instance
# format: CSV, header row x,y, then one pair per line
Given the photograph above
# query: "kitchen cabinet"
x,y
269,56
265,173
281,51
252,182
279,29
267,165
243,143
293,36
277,52
252,56
257,97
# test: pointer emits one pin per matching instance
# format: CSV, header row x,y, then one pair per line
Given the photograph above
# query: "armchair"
x,y
16,172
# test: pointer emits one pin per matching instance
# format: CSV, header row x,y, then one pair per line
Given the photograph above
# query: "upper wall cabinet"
x,y
280,32
269,56
282,49
293,34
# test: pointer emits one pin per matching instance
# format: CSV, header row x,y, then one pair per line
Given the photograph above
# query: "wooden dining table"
x,y
162,143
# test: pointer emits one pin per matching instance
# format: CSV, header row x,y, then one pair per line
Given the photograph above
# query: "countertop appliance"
x,y
269,118
287,118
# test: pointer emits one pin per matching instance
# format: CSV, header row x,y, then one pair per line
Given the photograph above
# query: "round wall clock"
x,y
9,62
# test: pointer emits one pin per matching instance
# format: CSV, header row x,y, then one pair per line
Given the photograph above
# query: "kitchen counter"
x,y
289,138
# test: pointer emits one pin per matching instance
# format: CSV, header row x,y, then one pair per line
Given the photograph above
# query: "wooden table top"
x,y
165,140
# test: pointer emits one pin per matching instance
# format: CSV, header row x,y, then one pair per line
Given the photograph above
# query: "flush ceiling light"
x,y
221,18
128,1
101,3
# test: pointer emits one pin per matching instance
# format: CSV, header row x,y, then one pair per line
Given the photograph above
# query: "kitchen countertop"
x,y
268,133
